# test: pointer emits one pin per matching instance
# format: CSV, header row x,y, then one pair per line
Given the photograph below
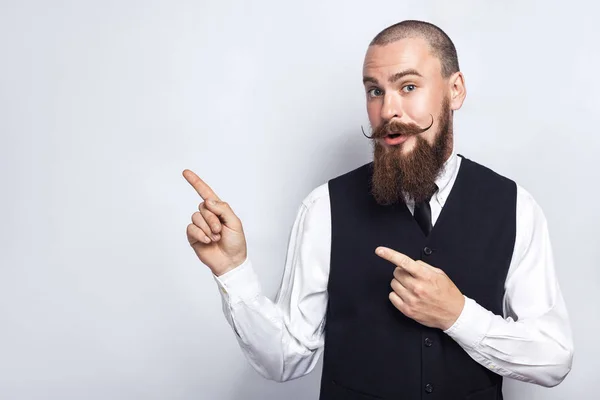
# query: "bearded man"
x,y
420,275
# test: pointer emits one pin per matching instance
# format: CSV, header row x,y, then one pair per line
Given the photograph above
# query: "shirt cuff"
x,y
240,284
472,325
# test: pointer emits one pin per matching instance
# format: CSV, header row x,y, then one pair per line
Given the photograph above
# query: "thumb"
x,y
222,210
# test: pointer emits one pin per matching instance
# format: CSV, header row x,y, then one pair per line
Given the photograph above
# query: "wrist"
x,y
454,313
231,266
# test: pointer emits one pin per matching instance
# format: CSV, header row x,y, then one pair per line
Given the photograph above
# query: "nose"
x,y
391,106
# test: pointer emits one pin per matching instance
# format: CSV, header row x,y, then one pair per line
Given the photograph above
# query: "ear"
x,y
458,90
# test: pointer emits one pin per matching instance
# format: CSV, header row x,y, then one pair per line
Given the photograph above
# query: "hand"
x,y
216,233
422,292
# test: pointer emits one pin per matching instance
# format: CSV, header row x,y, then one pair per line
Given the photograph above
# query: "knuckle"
x,y
418,289
408,310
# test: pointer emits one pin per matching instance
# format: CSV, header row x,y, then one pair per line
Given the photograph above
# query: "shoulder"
x,y
484,173
364,171
351,185
527,206
491,189
317,196
529,212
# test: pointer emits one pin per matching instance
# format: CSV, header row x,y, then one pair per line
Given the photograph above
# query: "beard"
x,y
398,177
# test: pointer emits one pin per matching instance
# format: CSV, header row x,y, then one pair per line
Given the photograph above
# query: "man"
x,y
421,275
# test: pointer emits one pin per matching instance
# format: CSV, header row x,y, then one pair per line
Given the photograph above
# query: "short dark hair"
x,y
440,44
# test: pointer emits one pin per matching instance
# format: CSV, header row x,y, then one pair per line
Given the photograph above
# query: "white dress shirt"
x,y
284,339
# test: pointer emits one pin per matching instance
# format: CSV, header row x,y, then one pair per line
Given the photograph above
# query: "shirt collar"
x,y
446,177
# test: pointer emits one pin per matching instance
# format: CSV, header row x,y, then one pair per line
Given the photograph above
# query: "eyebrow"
x,y
397,76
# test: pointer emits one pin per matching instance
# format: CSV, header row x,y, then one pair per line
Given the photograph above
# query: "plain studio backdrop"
x,y
104,103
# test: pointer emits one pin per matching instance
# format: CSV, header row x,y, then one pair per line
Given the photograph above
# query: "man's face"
x,y
407,94
403,82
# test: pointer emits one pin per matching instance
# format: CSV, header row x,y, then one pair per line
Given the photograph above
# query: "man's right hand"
x,y
216,233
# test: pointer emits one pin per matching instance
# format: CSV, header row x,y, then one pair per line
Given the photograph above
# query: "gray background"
x,y
104,103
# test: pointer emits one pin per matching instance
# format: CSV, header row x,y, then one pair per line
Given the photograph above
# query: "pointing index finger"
x,y
401,260
201,187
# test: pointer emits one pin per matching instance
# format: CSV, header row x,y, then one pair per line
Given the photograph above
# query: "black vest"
x,y
372,351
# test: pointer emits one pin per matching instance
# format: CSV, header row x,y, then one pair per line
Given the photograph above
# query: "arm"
x,y
533,342
283,340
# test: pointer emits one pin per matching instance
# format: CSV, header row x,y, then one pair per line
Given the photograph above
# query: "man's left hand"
x,y
423,292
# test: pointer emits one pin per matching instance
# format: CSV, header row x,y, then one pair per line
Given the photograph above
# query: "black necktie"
x,y
423,215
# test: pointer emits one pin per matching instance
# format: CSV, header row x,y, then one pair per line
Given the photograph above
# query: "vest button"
x,y
429,388
427,251
428,342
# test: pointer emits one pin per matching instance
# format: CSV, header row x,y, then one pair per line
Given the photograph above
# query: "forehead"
x,y
411,53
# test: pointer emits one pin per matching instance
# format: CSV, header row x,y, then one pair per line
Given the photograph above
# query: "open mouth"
x,y
394,139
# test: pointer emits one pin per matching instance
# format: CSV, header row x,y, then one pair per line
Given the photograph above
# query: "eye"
x,y
375,92
408,88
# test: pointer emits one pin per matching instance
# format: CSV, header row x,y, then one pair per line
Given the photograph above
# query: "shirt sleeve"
x,y
283,339
532,342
